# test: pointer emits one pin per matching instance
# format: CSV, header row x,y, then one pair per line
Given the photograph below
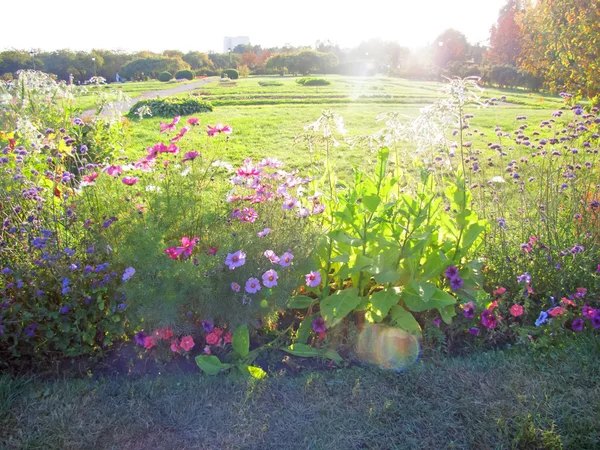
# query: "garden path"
x,y
180,89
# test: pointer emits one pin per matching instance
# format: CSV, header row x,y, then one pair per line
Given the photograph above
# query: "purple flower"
x,y
128,273
525,277
208,325
269,279
286,259
266,231
65,309
488,319
451,272
236,259
587,311
318,325
235,287
474,331
468,310
577,324
543,318
456,283
313,279
596,319
252,286
139,337
270,254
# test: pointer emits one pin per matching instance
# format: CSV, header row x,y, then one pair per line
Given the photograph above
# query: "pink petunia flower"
x,y
252,286
500,291
270,278
212,338
175,347
286,259
236,259
227,338
516,310
130,181
567,302
149,342
235,287
270,254
313,279
556,311
187,343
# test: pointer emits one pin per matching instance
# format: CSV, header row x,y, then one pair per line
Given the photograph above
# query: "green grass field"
x,y
494,400
266,120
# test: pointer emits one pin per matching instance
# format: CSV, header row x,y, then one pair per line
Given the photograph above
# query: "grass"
x,y
502,399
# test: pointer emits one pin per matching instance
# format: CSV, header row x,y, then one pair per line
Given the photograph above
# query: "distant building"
x,y
231,42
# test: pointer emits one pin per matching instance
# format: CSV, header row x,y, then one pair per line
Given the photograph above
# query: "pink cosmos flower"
x,y
190,156
318,209
175,346
269,278
180,135
248,215
248,169
130,181
149,342
235,287
172,252
187,343
90,178
212,338
188,245
164,127
289,203
302,213
236,259
193,121
172,149
286,259
264,232
313,279
270,254
252,286
113,171
271,162
218,128
516,310
144,164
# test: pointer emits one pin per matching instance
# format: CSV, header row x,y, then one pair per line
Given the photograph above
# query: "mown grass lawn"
x,y
495,400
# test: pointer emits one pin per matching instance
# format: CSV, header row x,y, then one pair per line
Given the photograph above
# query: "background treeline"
x,y
552,44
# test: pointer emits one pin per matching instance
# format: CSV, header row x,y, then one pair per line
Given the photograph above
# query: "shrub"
x,y
172,106
184,75
232,74
310,81
164,76
244,71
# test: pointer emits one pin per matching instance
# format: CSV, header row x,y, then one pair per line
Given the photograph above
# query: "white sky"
x,y
202,25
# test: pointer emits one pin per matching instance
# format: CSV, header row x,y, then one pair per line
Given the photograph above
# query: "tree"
x,y
198,60
451,45
173,53
506,35
561,42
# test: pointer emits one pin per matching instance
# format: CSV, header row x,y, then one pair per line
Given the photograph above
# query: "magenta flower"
x,y
172,149
90,178
270,278
252,286
218,128
270,254
187,245
193,121
190,156
264,232
598,269
235,287
248,169
248,215
113,171
164,127
488,319
145,164
180,135
130,181
596,319
172,252
286,259
474,331
577,324
313,279
587,311
236,259
318,325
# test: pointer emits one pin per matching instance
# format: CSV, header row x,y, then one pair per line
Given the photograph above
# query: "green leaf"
x,y
333,355
345,238
335,307
447,313
423,289
438,300
341,258
361,263
404,319
371,202
101,305
253,371
434,265
300,302
304,329
241,340
382,301
210,364
303,350
470,236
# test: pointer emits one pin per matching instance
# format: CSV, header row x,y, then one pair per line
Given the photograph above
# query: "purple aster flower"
x,y
474,331
269,278
122,306
452,272
587,311
252,286
596,319
318,325
577,324
128,273
65,309
139,337
208,325
525,277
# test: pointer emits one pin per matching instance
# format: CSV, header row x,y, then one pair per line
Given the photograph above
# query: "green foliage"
x,y
172,106
184,74
270,83
208,73
309,81
232,74
164,76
